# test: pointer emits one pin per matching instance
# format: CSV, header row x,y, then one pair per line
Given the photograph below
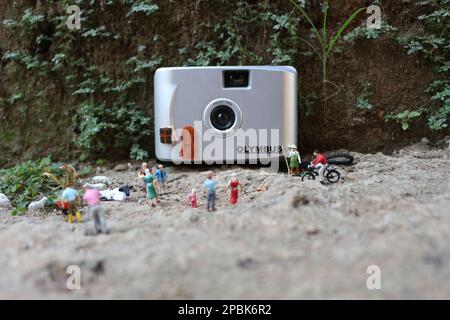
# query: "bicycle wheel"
x,y
308,176
333,176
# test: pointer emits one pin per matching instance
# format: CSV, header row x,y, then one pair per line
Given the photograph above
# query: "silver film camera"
x,y
224,114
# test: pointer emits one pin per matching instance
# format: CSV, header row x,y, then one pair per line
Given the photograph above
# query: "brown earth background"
x,y
45,125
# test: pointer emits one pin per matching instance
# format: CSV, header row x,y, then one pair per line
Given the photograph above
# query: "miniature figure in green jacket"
x,y
294,160
152,194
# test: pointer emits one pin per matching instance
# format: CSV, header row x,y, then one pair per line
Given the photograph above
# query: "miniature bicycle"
x,y
331,174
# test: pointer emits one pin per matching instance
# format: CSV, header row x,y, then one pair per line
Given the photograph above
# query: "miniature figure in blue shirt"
x,y
210,186
161,175
71,196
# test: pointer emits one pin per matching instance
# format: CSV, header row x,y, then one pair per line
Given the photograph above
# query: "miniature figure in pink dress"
x,y
193,198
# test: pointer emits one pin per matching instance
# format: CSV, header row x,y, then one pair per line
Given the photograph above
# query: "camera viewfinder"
x,y
236,78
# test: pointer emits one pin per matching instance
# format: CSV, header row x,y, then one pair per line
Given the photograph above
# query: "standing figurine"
x,y
145,168
210,187
294,160
161,174
193,198
152,193
144,171
92,198
234,184
73,200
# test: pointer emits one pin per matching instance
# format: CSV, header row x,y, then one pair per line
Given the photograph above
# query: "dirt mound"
x,y
296,240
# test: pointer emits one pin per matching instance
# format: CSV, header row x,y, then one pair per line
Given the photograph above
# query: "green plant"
x,y
140,65
97,32
230,47
404,118
362,101
146,7
85,171
29,22
363,32
15,97
125,127
438,120
30,62
29,181
101,162
124,85
326,43
138,153
434,44
105,128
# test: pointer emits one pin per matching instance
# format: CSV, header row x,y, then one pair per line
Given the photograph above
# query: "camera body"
x,y
224,114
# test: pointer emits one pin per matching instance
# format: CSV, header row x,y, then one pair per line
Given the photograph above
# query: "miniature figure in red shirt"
x,y
234,184
63,206
193,198
321,163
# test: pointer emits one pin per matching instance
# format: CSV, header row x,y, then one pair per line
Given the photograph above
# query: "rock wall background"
x,y
88,93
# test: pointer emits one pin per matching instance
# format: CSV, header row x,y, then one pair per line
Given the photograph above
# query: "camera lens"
x,y
222,118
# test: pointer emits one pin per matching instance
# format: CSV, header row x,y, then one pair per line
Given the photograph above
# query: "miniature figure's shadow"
x,y
91,232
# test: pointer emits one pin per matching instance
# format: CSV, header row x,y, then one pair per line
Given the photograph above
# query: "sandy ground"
x,y
298,240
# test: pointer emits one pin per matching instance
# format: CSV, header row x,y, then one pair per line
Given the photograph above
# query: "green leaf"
x,y
338,35
405,125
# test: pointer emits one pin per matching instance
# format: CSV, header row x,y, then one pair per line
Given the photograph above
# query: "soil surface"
x,y
297,240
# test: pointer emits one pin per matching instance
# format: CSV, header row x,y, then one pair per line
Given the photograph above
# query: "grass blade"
x,y
317,33
338,35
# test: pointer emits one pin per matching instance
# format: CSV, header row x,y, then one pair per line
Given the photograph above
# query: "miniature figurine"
x,y
156,182
193,198
122,193
210,187
152,193
73,199
4,201
294,160
98,186
144,171
234,184
92,198
321,163
161,174
102,179
63,206
37,205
